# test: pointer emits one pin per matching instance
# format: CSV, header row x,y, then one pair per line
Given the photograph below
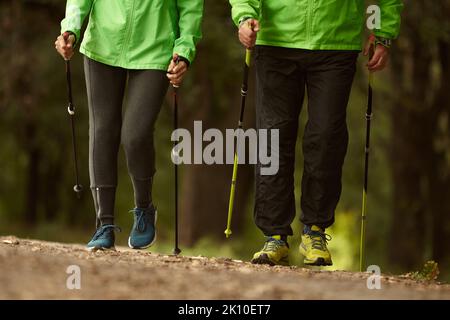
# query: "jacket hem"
x,y
310,46
134,66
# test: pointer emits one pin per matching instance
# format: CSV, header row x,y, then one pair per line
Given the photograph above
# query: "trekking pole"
x,y
244,90
78,188
362,250
176,249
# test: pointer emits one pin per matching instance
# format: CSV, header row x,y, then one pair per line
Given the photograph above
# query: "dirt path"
x,y
31,269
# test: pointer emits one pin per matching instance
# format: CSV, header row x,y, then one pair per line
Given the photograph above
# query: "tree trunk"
x,y
206,188
32,184
420,143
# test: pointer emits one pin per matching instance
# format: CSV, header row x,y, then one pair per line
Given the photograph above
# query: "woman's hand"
x,y
176,71
64,46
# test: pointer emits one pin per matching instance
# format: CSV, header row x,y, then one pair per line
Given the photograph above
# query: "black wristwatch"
x,y
385,42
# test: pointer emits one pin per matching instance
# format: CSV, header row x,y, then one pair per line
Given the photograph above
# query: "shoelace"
x,y
140,219
319,240
273,244
101,230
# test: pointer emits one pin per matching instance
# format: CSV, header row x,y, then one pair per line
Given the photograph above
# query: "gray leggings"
x,y
106,87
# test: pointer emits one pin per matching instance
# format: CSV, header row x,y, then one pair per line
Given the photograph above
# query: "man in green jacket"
x,y
306,46
133,47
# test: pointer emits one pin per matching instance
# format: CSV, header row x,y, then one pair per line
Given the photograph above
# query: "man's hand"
x,y
247,32
380,56
176,72
65,46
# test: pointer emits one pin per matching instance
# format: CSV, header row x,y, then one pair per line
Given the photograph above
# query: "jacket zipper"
x,y
128,32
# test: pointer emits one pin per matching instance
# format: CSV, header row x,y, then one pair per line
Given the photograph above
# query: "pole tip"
x,y
176,251
228,233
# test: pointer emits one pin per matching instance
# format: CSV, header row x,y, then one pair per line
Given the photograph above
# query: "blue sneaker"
x,y
143,234
103,238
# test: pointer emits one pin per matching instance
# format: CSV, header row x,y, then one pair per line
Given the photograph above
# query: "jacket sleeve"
x,y
390,18
244,8
190,28
76,12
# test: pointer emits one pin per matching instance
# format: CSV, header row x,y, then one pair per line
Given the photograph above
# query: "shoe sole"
x,y
95,249
151,243
264,259
318,262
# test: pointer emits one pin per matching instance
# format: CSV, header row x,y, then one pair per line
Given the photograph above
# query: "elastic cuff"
x,y
382,34
188,63
279,232
73,34
184,53
243,19
323,225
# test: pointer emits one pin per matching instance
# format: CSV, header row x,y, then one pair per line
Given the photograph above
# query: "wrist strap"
x,y
385,42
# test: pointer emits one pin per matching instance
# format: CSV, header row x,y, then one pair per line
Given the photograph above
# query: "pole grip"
x,y
248,57
66,36
176,60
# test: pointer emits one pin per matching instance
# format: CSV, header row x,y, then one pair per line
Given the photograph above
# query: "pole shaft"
x,y
232,194
176,249
362,250
175,126
71,110
69,83
75,155
244,90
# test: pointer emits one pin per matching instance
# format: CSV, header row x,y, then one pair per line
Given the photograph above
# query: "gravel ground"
x,y
32,269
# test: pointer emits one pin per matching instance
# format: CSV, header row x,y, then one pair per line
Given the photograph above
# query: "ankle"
x,y
143,205
280,237
106,221
308,228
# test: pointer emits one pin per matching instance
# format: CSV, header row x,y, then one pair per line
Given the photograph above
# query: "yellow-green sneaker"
x,y
314,247
275,252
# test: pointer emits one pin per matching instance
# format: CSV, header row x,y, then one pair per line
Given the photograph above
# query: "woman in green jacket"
x,y
137,48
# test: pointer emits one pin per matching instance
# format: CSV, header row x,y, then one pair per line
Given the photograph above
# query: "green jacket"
x,y
136,34
316,24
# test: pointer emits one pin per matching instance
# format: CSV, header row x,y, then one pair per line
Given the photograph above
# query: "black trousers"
x,y
282,77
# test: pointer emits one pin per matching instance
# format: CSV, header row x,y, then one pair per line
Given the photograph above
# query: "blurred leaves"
x,y
429,272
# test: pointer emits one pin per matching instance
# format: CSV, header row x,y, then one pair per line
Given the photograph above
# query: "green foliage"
x,y
429,272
